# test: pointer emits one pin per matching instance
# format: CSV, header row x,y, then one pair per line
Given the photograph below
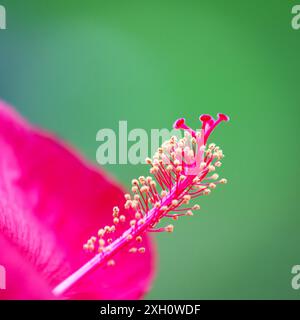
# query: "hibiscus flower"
x,y
51,199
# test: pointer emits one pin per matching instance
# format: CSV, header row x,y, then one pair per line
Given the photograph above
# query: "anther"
x,y
223,181
142,250
174,202
111,263
133,223
133,250
211,168
206,192
101,233
138,216
202,165
148,161
169,228
127,196
116,220
135,182
101,242
141,221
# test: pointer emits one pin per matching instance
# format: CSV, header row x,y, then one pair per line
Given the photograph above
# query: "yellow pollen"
x,y
144,189
148,161
139,239
142,250
142,179
211,168
187,197
116,220
132,222
174,202
134,204
202,165
132,250
169,228
157,204
134,189
122,218
138,216
101,242
163,193
154,170
127,196
141,221
91,247
218,164
116,209
135,182
153,184
206,192
128,204
179,168
101,233
129,237
176,162
111,263
215,176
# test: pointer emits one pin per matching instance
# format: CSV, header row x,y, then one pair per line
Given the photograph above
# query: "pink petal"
x,y
22,281
54,200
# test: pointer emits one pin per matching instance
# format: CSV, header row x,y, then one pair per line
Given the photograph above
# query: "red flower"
x,y
50,200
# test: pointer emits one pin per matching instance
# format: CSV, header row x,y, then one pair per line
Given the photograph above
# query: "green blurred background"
x,y
75,67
